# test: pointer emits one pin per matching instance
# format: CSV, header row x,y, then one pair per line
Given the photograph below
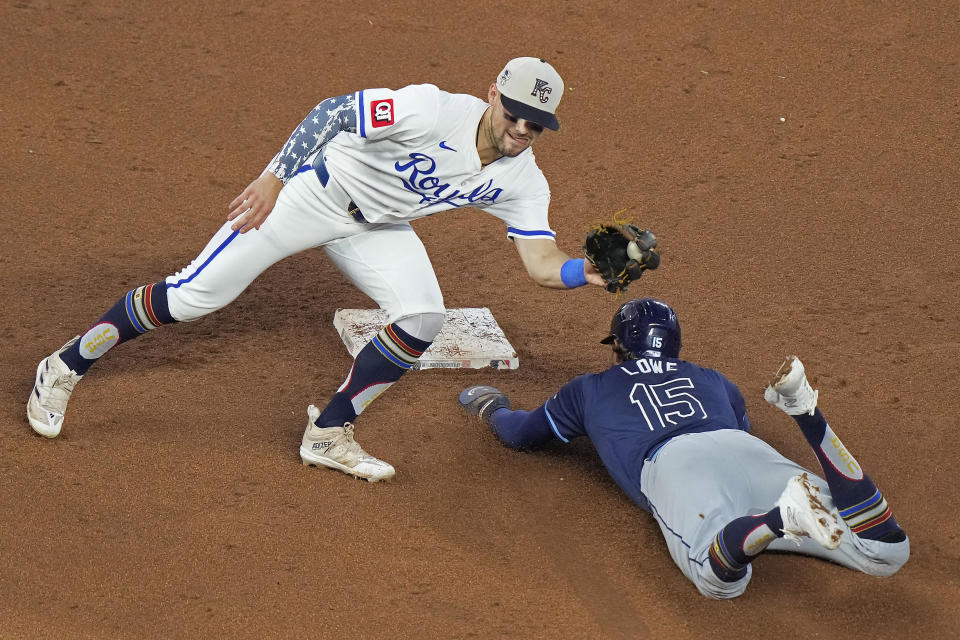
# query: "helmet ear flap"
x,y
622,352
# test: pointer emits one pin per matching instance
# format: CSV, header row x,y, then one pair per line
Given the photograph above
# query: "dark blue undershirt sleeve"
x,y
327,119
523,430
559,418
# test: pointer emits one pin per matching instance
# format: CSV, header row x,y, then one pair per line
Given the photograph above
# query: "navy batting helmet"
x,y
646,327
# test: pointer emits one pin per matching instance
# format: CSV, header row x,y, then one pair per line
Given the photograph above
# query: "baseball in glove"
x,y
621,253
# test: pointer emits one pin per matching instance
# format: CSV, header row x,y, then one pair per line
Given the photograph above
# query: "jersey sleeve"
x,y
403,114
738,403
565,410
525,212
327,119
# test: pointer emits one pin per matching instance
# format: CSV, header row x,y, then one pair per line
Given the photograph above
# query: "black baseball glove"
x,y
621,253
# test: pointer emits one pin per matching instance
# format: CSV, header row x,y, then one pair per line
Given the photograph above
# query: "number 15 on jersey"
x,y
667,404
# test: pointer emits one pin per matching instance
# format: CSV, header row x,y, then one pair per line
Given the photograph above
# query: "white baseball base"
x,y
469,339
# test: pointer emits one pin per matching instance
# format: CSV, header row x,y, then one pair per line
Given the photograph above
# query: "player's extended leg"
x,y
878,545
800,513
304,216
388,263
861,504
870,541
700,484
135,313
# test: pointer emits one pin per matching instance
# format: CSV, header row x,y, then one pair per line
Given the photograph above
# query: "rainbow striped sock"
x,y
382,362
740,541
871,519
138,311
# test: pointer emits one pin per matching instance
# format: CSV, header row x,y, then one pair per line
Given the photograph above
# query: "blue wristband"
x,y
572,273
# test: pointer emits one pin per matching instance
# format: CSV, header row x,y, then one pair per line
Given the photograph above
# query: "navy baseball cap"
x,y
531,89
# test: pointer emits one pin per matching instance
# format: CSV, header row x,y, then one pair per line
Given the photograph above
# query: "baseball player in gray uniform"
x,y
350,178
674,436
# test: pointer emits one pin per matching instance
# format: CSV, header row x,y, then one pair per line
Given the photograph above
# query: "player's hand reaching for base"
x,y
255,203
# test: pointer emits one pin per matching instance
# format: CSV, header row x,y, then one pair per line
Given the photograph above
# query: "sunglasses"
x,y
533,126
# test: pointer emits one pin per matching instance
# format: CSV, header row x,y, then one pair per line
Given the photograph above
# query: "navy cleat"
x,y
483,401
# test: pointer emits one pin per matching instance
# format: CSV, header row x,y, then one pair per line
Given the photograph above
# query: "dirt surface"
x,y
798,163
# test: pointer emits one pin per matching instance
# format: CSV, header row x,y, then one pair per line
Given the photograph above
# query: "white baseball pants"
x,y
388,262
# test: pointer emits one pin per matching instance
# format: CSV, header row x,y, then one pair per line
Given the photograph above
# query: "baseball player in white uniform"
x,y
350,179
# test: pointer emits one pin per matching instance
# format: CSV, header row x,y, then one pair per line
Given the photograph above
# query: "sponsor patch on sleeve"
x,y
381,113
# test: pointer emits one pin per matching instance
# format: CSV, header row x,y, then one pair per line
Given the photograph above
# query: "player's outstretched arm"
x,y
544,262
321,125
521,430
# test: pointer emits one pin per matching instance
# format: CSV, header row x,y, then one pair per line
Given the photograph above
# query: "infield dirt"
x,y
799,166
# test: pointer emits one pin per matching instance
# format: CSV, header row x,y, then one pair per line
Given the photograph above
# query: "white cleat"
x,y
51,392
804,514
334,447
790,392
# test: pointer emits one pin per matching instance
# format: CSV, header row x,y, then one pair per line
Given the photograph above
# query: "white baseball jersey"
x,y
398,155
414,154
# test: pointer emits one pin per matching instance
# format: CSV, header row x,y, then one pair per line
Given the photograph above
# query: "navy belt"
x,y
354,211
656,450
321,170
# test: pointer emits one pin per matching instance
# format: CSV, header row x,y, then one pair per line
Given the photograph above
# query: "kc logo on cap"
x,y
542,90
